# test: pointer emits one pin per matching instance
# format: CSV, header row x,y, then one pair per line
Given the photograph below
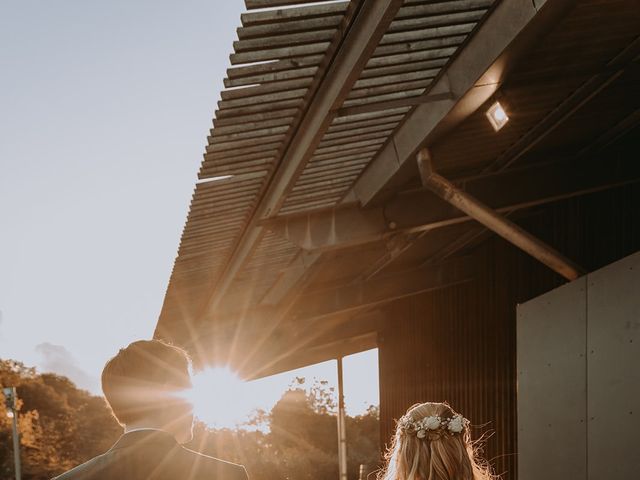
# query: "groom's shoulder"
x,y
222,469
84,470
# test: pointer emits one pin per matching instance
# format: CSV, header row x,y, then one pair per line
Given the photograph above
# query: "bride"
x,y
432,442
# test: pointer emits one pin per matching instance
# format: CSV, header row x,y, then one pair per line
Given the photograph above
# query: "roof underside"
x,y
323,219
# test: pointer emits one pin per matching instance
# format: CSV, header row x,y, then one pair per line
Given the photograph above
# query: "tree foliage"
x,y
62,426
301,440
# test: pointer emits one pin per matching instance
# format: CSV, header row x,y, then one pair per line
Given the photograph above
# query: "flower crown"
x,y
453,425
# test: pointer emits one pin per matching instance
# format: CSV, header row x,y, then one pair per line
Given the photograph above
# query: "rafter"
x,y
423,211
362,37
473,77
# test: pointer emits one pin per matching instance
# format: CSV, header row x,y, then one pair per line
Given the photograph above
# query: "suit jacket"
x,y
153,455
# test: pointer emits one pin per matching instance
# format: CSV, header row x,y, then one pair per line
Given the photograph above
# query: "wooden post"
x,y
342,432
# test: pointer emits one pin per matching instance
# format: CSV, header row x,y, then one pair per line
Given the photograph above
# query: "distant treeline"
x,y
62,426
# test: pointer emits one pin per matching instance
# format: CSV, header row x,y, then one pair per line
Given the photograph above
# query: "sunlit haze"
x,y
223,400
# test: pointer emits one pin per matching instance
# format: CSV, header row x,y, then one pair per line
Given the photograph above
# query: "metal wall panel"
x,y
552,385
614,374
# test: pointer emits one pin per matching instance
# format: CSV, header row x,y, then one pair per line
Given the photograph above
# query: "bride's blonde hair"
x,y
433,452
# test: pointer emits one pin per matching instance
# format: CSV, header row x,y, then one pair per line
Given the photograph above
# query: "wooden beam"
x,y
475,74
293,276
309,355
331,317
382,289
422,210
391,104
494,221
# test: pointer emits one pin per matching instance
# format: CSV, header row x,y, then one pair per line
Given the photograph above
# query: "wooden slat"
x,y
395,58
255,4
290,209
343,126
269,88
427,33
242,151
291,26
392,104
272,67
432,44
398,79
402,68
260,99
369,95
247,142
328,169
345,120
440,20
430,9
234,158
353,144
250,111
348,140
278,53
246,127
284,15
301,38
265,132
230,169
333,176
266,78
325,156
383,98
231,120
383,127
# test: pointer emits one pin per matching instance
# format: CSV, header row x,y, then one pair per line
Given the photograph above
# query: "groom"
x,y
143,384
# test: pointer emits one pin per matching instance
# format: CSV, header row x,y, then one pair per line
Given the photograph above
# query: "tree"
x,y
60,425
300,438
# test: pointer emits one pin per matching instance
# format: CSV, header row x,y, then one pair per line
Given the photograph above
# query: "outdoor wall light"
x,y
10,414
497,116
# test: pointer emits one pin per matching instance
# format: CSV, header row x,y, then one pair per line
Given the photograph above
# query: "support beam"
x,y
293,276
366,294
476,73
423,211
494,221
312,354
391,104
322,325
316,313
342,428
361,39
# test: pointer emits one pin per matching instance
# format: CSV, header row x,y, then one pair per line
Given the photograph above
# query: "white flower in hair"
x,y
457,423
431,423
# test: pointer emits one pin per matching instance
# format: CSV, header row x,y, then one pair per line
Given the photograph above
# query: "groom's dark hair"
x,y
139,380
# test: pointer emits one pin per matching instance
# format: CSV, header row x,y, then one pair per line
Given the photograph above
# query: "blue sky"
x,y
104,112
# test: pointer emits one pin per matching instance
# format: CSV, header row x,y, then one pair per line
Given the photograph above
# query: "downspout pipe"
x,y
495,222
